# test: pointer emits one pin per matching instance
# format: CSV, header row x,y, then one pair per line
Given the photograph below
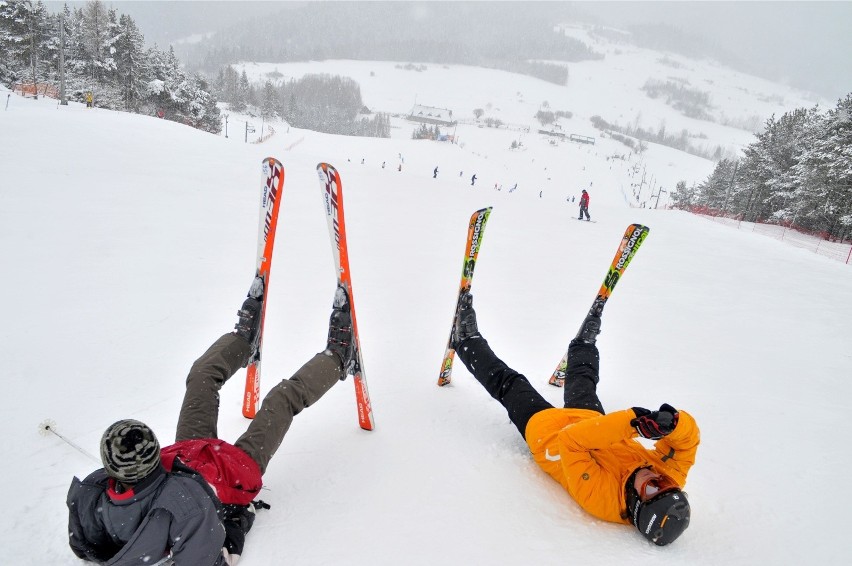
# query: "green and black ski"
x,y
630,242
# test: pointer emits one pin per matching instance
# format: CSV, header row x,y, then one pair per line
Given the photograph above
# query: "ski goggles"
x,y
656,485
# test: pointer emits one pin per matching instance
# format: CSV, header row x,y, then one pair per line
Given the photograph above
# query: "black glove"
x,y
655,424
237,521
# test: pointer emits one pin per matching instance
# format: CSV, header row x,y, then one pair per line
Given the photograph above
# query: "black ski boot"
x,y
464,326
589,330
340,334
248,325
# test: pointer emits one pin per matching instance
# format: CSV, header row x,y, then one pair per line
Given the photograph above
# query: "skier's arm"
x,y
86,536
677,449
198,538
597,490
598,433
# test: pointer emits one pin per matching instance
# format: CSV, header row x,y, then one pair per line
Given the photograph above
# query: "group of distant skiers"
x,y
193,502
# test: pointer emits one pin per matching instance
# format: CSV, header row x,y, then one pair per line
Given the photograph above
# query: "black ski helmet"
x,y
662,519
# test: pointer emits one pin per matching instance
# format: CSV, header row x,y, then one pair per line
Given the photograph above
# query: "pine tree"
x,y
715,191
241,95
767,169
269,101
13,40
25,41
40,27
824,173
132,67
683,197
94,30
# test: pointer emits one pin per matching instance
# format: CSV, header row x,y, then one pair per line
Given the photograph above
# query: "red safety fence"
x,y
812,240
33,89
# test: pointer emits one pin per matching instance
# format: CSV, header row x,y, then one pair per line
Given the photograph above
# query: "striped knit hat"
x,y
129,451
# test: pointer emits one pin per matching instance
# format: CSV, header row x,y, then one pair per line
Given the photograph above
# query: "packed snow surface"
x,y
127,246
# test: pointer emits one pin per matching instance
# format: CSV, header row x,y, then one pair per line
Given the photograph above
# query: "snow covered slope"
x,y
127,247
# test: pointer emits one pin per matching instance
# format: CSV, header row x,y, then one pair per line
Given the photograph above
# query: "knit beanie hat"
x,y
129,451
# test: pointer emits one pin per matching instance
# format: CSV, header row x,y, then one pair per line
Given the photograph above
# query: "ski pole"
x,y
49,427
8,96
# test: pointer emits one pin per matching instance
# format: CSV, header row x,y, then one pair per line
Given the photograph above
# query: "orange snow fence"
x,y
33,89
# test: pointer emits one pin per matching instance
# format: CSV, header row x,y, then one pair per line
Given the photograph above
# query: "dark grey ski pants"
x,y
518,396
200,410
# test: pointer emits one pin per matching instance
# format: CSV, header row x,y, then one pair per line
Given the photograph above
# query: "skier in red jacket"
x,y
584,205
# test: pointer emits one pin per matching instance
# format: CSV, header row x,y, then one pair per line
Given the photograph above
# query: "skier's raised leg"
x,y
510,388
287,399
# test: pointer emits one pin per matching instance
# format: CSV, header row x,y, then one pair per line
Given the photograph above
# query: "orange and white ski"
x,y
332,195
271,190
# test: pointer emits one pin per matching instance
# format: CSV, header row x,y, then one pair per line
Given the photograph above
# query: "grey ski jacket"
x,y
168,518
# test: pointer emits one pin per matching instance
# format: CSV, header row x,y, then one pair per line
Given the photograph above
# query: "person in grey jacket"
x,y
191,503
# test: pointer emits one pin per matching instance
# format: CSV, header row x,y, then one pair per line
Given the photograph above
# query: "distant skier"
x,y
153,506
435,173
594,456
584,205
473,180
383,164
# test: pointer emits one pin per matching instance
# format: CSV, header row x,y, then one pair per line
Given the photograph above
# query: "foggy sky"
x,y
803,44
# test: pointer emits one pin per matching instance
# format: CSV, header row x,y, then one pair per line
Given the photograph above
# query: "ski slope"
x,y
127,246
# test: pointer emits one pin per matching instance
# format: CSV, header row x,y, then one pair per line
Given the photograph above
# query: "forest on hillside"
x,y
798,172
512,36
105,63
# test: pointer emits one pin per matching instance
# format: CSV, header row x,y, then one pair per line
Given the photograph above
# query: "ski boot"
x,y
589,330
248,324
464,326
340,334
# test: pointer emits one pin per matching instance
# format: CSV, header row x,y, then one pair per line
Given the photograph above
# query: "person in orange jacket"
x,y
595,456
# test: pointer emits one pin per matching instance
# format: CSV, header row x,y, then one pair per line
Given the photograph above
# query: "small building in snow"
x,y
431,115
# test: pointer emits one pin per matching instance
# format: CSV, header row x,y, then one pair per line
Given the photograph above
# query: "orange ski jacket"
x,y
593,455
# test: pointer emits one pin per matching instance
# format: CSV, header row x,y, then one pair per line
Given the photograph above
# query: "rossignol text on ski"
x,y
332,195
271,190
633,237
475,232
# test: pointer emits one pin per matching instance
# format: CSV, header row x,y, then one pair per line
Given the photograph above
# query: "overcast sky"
x,y
809,43
806,44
